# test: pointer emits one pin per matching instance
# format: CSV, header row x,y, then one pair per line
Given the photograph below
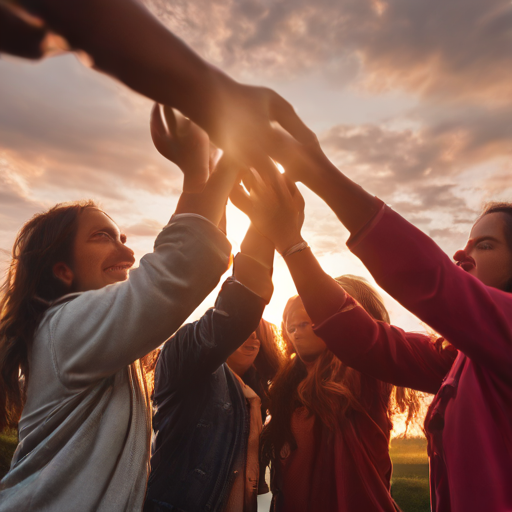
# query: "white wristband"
x,y
295,248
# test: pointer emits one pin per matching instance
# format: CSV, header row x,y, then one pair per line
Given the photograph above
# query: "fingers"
x,y
224,176
214,156
181,141
283,112
265,167
159,134
241,199
168,119
298,199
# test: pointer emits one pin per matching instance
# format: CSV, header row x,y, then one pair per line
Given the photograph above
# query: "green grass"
x,y
8,442
409,485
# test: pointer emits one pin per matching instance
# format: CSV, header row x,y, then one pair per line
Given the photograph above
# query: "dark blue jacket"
x,y
201,420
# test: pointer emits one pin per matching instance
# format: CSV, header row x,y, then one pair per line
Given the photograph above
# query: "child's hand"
x,y
276,210
180,140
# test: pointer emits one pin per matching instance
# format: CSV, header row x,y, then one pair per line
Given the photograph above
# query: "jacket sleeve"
x,y
101,331
384,351
199,348
475,318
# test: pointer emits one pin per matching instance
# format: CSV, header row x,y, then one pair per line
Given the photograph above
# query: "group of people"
x,y
121,407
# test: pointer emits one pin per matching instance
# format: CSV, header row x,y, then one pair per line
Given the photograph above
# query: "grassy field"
x,y
410,472
409,486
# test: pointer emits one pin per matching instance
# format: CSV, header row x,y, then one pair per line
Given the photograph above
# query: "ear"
x,y
64,273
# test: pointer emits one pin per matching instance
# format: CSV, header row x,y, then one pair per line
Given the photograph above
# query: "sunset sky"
x,y
411,98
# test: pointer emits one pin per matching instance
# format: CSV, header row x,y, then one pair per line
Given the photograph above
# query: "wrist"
x,y
258,247
284,247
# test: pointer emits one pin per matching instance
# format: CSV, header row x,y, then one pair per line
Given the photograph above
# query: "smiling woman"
x,y
100,256
73,326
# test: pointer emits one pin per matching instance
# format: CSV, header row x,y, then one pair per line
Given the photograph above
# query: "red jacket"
x,y
348,470
469,423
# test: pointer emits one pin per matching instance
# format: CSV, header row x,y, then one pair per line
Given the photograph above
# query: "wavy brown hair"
x,y
331,390
269,358
266,365
29,288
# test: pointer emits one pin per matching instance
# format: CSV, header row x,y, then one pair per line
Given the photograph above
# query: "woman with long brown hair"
x,y
258,360
73,327
468,424
328,438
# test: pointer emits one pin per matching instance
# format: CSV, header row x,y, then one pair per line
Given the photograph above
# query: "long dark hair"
x,y
269,357
331,389
29,288
266,365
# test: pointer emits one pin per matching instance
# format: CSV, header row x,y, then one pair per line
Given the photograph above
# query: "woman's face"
x,y
487,255
300,330
244,356
99,254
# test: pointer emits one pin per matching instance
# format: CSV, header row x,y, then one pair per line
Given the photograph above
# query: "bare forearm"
x,y
258,247
353,205
253,265
321,295
211,202
126,41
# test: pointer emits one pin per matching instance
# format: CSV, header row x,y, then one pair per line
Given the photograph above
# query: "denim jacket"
x,y
201,420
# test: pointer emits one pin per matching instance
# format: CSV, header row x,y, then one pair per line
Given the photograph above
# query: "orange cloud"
x,y
432,48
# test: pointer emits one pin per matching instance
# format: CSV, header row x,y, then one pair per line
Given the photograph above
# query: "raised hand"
x,y
238,118
181,141
276,208
241,120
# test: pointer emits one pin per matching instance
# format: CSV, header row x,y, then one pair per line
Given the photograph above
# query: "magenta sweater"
x,y
469,424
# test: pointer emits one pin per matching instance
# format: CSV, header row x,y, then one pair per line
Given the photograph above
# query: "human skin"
x,y
245,355
487,255
100,256
300,331
123,39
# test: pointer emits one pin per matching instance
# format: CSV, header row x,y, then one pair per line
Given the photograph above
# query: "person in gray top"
x,y
74,326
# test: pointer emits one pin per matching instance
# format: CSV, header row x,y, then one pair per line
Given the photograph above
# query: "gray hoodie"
x,y
84,432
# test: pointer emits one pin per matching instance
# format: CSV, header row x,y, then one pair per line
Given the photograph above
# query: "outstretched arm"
x,y
199,348
378,349
126,41
277,211
412,268
353,205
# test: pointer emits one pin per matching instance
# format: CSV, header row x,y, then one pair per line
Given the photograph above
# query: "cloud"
x,y
147,227
77,130
450,141
433,48
16,207
436,174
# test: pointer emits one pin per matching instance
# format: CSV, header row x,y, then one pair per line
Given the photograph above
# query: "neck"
x,y
240,370
309,365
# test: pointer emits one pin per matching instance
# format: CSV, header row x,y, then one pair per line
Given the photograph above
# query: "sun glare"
x,y
279,167
283,283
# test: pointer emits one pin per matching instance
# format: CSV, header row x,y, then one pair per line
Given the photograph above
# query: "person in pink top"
x,y
469,423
